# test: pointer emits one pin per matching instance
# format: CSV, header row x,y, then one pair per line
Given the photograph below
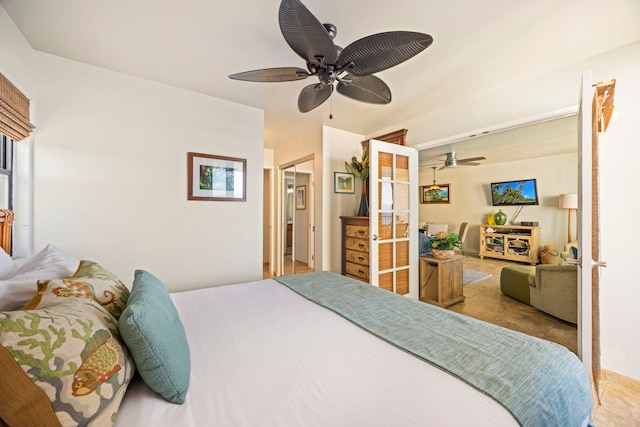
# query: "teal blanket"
x,y
539,382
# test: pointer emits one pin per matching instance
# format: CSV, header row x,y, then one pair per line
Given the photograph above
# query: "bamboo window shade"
x,y
14,111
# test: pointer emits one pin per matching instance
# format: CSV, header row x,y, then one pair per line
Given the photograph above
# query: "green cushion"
x,y
152,330
514,282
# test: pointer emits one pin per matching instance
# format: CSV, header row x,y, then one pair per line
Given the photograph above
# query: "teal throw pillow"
x,y
152,330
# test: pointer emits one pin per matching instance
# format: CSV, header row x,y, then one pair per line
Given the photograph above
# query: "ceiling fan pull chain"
x,y
331,108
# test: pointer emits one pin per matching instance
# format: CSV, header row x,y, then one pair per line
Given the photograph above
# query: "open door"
x,y
595,112
393,217
585,260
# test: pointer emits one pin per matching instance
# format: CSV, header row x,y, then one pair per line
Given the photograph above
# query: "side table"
x,y
441,280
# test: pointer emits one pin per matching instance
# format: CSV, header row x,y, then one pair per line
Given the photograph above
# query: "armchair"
x,y
554,290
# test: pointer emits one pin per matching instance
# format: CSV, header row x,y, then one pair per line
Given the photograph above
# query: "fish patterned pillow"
x,y
62,365
92,281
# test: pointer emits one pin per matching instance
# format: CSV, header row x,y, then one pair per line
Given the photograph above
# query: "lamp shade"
x,y
568,201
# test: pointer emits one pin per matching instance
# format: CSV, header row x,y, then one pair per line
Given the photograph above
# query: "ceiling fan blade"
x,y
381,51
313,95
366,89
305,34
471,159
284,74
460,163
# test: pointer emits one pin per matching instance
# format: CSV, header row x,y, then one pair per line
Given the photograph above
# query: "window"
x,y
6,172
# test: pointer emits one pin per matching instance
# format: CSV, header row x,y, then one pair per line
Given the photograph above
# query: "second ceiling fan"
x,y
451,161
352,67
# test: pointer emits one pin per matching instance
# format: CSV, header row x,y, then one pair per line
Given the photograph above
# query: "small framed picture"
x,y
343,182
216,178
442,195
301,197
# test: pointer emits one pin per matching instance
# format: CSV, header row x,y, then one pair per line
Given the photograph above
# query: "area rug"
x,y
470,276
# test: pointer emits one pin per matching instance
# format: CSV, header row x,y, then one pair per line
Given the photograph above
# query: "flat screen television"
x,y
508,193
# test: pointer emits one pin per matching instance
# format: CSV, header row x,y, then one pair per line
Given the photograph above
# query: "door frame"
x,y
281,225
583,216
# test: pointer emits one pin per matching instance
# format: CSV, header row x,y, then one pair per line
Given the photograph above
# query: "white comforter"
x,y
261,355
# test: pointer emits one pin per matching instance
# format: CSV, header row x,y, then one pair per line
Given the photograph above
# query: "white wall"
x,y
338,146
619,154
471,196
16,64
111,176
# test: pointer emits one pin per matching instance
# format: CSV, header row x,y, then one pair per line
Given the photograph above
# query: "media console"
x,y
510,242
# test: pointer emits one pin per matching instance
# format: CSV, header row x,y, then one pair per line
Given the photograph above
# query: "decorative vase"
x,y
443,253
500,217
363,210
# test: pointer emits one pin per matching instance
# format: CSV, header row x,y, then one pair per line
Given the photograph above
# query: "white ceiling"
x,y
196,44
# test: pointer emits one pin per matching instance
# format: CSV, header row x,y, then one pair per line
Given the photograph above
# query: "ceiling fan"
x,y
451,161
352,67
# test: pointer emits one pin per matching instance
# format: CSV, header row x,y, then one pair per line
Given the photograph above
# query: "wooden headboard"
x,y
6,222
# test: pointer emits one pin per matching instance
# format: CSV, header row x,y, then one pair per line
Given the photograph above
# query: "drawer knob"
x,y
361,246
360,258
361,232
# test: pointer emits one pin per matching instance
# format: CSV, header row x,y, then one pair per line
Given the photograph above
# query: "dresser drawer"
x,y
361,258
360,231
356,244
357,270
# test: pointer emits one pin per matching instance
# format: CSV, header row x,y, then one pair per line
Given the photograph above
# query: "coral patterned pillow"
x,y
91,281
73,354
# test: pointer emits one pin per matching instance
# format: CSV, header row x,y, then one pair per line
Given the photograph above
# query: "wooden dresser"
x,y
355,247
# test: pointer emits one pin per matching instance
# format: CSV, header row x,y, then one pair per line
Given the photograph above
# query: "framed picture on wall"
x,y
443,195
216,178
343,182
301,197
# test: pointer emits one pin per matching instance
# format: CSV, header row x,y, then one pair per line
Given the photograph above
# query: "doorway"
x,y
297,239
268,264
557,173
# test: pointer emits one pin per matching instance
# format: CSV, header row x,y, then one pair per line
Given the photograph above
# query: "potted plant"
x,y
360,169
443,244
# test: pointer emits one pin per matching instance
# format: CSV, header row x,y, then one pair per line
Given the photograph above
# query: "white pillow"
x,y
7,266
50,263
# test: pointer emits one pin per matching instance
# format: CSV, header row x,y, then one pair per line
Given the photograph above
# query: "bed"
x,y
312,349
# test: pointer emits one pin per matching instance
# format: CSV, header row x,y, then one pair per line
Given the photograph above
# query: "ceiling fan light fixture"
x,y
313,42
434,186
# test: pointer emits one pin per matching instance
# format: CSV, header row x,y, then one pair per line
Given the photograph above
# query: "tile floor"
x,y
619,395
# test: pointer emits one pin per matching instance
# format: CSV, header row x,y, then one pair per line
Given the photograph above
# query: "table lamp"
x,y
570,202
